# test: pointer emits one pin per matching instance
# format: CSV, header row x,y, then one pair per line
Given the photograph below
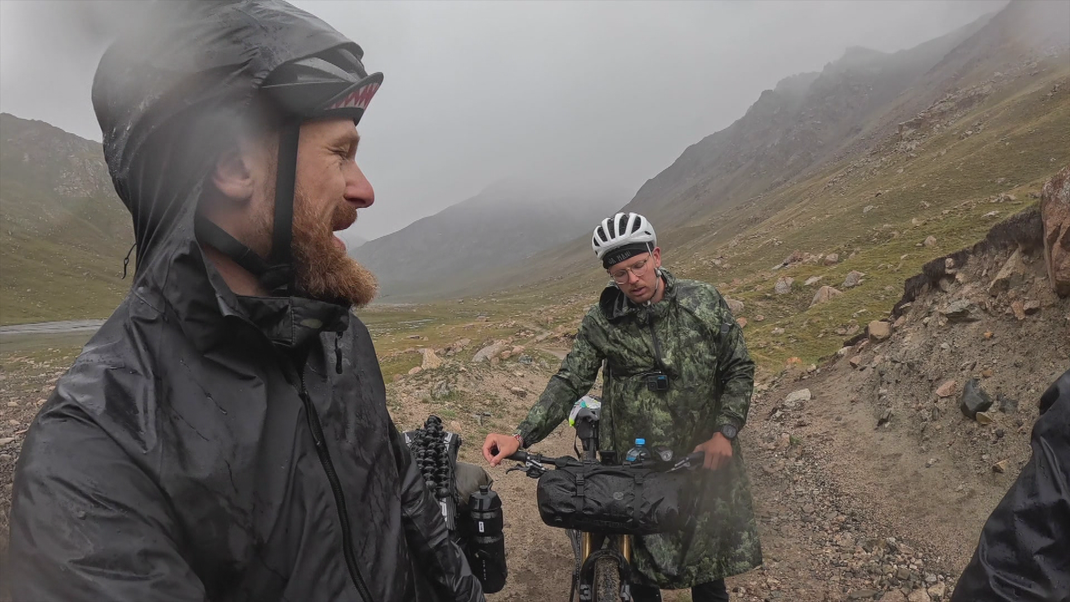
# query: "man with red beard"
x,y
224,436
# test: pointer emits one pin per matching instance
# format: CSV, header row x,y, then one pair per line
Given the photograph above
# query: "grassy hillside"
x,y
63,232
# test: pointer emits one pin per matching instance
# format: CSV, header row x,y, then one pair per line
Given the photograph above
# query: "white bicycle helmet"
x,y
620,230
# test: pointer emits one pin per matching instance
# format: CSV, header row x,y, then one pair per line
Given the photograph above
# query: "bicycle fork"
x,y
591,551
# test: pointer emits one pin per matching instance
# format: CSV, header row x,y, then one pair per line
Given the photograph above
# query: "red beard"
x,y
322,269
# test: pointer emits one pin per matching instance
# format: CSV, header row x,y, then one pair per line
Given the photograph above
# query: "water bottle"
x,y
639,453
486,549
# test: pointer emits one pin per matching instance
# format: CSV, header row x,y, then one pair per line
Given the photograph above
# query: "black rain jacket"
x,y
1024,551
206,446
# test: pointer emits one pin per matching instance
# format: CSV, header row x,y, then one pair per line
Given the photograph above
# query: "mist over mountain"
x,y
506,224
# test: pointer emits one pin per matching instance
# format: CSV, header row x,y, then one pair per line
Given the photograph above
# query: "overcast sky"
x,y
593,93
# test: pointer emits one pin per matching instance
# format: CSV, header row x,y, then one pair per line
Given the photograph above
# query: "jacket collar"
x,y
208,311
616,306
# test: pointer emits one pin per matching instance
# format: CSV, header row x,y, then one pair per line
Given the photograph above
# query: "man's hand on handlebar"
x,y
718,452
497,447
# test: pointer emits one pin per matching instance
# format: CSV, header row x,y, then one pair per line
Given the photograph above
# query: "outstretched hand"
x,y
718,452
497,447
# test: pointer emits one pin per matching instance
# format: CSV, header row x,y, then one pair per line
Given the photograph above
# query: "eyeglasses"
x,y
623,275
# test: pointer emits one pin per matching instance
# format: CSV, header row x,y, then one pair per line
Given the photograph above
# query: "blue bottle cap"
x,y
640,441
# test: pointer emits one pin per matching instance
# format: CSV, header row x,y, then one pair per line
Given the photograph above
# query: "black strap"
x,y
280,282
285,180
657,345
637,500
210,233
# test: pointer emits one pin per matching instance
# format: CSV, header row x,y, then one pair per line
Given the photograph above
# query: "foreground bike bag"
x,y
615,499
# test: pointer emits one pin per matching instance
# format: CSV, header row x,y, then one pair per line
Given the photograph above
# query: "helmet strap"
x,y
279,279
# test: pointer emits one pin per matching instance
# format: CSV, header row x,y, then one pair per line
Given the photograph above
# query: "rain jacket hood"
x,y
204,445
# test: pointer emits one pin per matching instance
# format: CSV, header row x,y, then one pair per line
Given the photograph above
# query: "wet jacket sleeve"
x,y
445,565
572,381
735,372
1023,552
87,523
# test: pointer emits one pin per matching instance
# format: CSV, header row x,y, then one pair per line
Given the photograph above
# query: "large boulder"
x,y
488,352
783,286
961,310
853,279
824,294
1010,276
431,360
879,330
735,306
1055,213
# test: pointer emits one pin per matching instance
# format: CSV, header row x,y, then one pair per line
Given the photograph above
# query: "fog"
x,y
592,94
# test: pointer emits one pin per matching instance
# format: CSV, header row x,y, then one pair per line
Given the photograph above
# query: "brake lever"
x,y
687,462
533,469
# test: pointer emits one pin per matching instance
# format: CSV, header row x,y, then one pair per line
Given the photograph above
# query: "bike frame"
x,y
591,543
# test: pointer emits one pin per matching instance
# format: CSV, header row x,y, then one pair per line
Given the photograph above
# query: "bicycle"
x,y
600,574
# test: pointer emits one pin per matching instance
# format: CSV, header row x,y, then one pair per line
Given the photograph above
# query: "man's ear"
x,y
232,176
657,256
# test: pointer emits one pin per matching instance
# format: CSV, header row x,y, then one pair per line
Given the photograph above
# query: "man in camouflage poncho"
x,y
649,322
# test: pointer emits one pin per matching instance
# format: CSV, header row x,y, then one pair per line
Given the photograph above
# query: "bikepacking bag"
x,y
632,500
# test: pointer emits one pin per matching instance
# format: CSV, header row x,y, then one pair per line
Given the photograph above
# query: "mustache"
x,y
343,217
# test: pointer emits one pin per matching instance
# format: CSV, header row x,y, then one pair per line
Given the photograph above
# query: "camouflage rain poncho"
x,y
712,375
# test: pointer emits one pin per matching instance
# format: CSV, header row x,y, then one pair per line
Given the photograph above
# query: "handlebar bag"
x,y
628,500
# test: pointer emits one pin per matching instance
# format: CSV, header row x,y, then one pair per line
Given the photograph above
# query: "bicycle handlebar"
x,y
688,461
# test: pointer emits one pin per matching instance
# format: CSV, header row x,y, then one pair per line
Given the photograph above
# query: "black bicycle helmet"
x,y
329,85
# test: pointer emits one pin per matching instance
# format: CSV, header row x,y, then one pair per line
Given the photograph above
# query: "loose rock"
x,y
796,397
1019,310
736,307
825,294
487,352
1001,466
947,389
431,361
930,241
879,330
853,279
1006,404
1009,276
983,418
974,399
783,286
961,310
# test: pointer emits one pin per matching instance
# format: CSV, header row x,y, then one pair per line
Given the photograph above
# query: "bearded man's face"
x,y
329,190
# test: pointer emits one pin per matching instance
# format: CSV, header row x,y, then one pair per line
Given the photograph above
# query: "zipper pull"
x,y
338,353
